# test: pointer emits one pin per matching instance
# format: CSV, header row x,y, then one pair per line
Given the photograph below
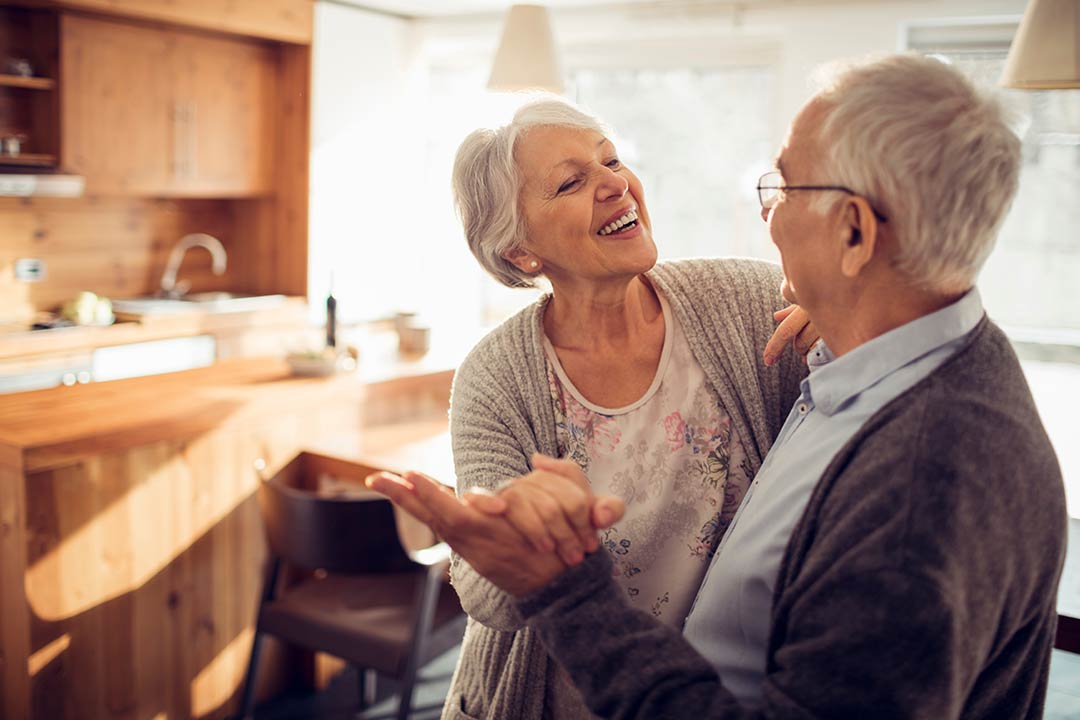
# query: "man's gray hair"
x,y
931,152
487,183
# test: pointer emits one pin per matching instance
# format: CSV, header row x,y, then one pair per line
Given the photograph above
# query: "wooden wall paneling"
x,y
285,20
14,616
278,227
294,134
116,247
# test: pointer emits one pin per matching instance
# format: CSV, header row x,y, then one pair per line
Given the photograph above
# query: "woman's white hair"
x,y
931,152
487,183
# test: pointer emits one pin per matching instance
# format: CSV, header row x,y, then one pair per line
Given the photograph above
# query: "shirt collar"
x,y
833,384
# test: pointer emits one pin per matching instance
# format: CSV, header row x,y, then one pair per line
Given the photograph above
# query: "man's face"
x,y
804,236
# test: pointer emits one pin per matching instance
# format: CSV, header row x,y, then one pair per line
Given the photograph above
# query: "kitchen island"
x,y
131,548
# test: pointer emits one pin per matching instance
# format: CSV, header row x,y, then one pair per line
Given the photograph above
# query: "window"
x,y
1029,280
698,139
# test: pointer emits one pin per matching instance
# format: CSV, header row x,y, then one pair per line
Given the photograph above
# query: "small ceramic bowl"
x,y
312,364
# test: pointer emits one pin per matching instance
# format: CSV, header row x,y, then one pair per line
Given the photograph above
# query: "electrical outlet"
x,y
30,270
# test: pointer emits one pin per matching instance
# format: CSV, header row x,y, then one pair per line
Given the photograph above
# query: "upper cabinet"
x,y
166,113
29,86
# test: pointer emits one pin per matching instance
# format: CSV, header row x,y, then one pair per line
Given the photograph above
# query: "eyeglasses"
x,y
771,184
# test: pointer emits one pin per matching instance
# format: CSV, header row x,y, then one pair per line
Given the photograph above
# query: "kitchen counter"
x,y
17,341
55,426
131,550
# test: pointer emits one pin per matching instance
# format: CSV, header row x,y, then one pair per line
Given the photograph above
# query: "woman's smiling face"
x,y
584,211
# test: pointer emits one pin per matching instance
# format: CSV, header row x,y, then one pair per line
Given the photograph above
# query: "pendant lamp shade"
x,y
526,58
1045,54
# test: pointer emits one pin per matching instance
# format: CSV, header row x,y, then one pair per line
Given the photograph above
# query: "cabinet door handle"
x,y
193,140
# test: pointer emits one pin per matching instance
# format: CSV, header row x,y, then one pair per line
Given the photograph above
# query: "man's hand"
x,y
795,329
489,543
554,507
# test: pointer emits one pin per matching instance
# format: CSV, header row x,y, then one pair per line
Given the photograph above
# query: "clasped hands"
x,y
520,537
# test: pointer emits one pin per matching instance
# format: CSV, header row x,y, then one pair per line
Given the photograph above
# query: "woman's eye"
x,y
614,163
568,185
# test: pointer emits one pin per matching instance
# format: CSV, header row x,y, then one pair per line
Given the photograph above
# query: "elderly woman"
x,y
649,376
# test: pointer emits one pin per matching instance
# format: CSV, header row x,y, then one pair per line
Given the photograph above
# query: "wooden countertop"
x,y
21,342
49,428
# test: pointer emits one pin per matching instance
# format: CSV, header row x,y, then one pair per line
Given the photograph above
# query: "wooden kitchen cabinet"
x,y
29,108
222,104
132,551
166,113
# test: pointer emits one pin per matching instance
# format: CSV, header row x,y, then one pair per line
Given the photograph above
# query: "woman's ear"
x,y
860,237
523,260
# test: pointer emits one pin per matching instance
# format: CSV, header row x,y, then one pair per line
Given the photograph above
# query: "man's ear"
x,y
859,237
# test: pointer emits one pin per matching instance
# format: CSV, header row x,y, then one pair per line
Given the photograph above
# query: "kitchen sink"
x,y
209,302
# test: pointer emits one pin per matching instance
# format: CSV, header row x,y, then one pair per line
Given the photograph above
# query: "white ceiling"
x,y
447,8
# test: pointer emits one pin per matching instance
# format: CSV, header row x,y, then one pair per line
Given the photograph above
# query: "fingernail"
x,y
547,545
770,359
605,515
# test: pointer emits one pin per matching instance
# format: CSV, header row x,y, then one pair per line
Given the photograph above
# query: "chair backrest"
x,y
1068,634
340,534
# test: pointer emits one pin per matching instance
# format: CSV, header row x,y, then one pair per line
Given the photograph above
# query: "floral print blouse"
x,y
673,457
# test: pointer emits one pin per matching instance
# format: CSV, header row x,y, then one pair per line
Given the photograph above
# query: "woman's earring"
x,y
533,264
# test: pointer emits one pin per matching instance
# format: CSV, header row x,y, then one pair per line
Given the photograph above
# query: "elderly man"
x,y
898,554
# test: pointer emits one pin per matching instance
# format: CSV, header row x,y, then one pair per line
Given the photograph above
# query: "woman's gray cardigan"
x,y
501,412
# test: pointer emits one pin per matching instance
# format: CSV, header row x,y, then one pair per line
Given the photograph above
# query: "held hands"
x,y
553,506
795,329
483,529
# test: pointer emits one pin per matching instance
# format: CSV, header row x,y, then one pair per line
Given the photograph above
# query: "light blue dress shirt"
x,y
729,621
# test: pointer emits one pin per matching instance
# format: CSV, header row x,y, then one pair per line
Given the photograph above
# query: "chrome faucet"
x,y
172,289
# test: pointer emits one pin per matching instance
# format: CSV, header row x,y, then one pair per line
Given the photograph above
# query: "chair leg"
x,y
248,698
247,701
365,679
427,597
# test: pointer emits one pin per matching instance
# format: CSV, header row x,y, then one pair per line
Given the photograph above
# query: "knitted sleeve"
x,y
486,452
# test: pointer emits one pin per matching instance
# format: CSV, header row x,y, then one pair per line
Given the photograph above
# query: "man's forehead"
x,y
802,134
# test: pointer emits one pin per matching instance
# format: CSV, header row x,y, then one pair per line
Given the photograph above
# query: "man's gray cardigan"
x,y
501,412
920,582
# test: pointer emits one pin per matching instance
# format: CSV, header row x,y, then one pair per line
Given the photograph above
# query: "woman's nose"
x,y
612,185
765,213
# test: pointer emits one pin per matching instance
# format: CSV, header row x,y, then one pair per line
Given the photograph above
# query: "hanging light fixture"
x,y
526,58
1045,54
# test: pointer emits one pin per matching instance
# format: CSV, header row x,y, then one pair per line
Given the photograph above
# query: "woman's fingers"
x,y
785,332
607,510
781,314
806,339
551,509
485,501
793,323
522,513
566,468
575,504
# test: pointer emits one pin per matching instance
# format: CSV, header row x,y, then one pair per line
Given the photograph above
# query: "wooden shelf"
x,y
28,160
32,83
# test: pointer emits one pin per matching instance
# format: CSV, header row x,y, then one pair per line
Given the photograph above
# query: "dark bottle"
x,y
331,319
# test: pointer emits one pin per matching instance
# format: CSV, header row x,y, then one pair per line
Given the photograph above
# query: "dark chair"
x,y
370,601
1068,634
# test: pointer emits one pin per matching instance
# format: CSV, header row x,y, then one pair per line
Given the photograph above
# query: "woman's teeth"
x,y
622,223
